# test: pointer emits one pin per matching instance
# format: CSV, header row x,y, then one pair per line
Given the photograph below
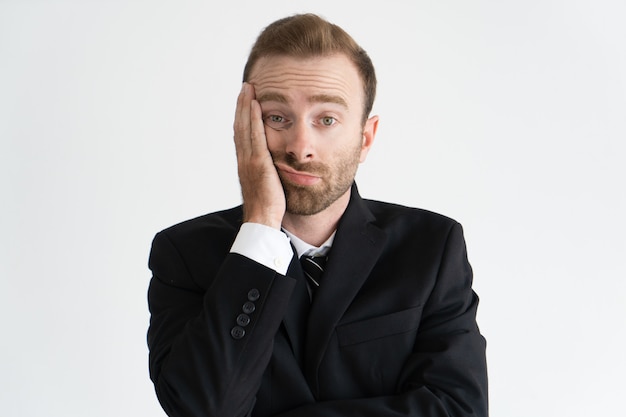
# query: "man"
x,y
240,327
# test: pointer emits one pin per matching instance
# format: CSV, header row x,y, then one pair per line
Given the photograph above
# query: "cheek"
x,y
274,139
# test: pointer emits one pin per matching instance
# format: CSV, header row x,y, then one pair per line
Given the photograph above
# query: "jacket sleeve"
x,y
446,374
210,346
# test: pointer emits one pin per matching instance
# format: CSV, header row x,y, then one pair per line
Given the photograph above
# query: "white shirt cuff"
x,y
265,245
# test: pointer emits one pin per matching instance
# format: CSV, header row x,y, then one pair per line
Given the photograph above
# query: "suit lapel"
x,y
356,249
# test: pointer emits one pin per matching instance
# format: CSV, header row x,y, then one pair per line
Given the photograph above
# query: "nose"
x,y
300,142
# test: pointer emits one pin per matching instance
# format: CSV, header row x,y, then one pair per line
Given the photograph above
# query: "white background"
x,y
115,122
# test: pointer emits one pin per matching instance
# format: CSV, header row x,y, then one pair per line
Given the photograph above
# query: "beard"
x,y
336,180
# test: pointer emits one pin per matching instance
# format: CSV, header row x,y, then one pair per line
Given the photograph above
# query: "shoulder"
x,y
203,239
186,253
392,215
413,228
224,222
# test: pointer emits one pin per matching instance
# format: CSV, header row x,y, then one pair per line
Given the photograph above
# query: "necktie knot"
x,y
313,268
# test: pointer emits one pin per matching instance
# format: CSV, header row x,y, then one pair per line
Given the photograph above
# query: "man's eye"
x,y
276,122
328,121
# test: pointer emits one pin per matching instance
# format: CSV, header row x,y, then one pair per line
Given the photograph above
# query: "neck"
x,y
317,228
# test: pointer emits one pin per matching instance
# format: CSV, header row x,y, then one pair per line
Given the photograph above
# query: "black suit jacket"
x,y
391,331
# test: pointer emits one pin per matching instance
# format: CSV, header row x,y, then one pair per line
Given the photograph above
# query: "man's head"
x,y
307,36
315,88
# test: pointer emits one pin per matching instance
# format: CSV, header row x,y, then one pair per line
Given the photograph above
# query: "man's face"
x,y
313,115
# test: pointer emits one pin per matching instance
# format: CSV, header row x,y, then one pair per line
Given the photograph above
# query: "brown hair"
x,y
308,35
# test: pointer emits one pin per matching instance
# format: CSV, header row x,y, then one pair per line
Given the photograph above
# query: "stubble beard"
x,y
310,200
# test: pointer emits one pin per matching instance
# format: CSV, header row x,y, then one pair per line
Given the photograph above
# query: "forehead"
x,y
333,75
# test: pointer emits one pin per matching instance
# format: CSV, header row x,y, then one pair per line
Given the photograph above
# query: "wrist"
x,y
264,219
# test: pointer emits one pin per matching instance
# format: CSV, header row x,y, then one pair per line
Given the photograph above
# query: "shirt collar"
x,y
303,248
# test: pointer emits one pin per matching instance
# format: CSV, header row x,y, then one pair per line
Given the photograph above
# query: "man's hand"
x,y
263,194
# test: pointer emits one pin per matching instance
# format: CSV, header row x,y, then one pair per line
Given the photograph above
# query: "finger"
x,y
258,140
241,125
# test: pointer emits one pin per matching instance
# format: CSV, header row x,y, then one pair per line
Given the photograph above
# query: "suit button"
x,y
254,294
249,307
237,332
243,320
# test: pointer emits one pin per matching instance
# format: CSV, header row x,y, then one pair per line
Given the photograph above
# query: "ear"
x,y
369,134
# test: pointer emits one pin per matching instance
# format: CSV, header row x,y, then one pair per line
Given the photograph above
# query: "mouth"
x,y
297,177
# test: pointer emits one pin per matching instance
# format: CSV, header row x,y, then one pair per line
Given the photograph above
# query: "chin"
x,y
307,201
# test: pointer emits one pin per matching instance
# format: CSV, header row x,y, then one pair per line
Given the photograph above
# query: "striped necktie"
x,y
313,267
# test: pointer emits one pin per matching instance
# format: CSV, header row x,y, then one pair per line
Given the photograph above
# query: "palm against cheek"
x,y
263,195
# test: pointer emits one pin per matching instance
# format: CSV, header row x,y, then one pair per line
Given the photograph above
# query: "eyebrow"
x,y
272,97
328,98
317,98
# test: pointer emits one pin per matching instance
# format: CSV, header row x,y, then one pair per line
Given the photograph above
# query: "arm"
x,y
198,366
200,360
